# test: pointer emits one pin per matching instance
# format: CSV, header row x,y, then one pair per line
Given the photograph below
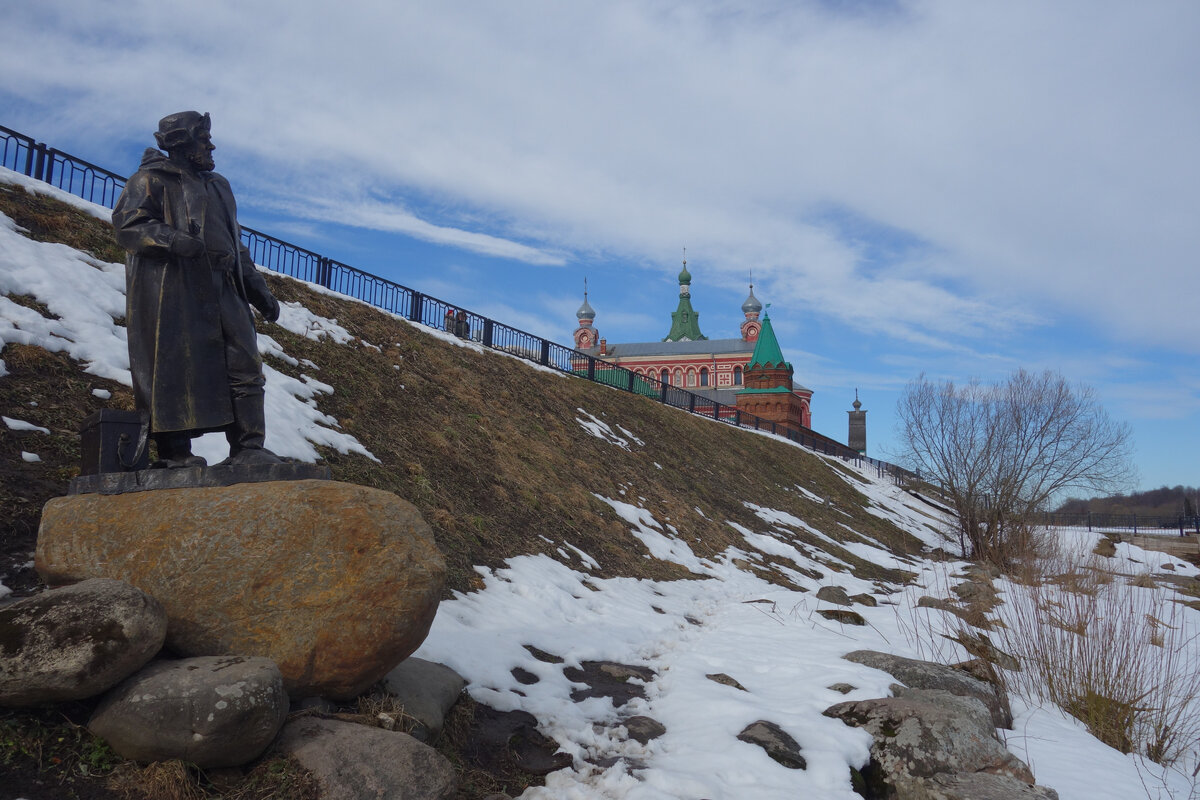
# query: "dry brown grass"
x,y
1118,655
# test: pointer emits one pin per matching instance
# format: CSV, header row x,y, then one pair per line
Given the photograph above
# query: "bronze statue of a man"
x,y
192,346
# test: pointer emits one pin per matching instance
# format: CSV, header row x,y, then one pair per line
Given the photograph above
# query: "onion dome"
x,y
585,311
752,304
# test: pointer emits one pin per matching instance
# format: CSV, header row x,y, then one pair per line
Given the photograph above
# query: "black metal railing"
x,y
1137,523
23,154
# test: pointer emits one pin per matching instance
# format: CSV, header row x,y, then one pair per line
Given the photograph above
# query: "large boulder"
x,y
215,711
76,642
979,786
335,583
918,674
925,733
351,762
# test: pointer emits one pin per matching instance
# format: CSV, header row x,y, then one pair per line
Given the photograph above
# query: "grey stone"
x,y
643,729
76,642
428,691
842,688
195,477
212,711
976,786
834,594
865,600
842,615
977,592
725,680
354,762
927,732
499,740
777,743
927,675
609,679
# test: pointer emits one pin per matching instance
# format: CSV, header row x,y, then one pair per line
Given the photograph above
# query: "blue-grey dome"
x,y
585,311
752,306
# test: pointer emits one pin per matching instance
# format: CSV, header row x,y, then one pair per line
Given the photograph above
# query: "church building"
x,y
748,372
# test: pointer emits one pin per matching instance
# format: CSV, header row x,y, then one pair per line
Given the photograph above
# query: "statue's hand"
x,y
186,245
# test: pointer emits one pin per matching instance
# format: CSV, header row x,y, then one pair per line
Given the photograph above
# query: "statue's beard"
x,y
201,159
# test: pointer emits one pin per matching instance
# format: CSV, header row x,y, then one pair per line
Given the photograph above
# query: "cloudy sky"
x,y
934,186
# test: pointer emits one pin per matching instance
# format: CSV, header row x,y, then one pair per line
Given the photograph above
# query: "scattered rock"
x,y
334,582
865,600
978,786
842,615
76,642
351,762
777,743
842,688
428,691
834,594
643,729
524,676
926,732
980,646
978,592
213,711
926,601
497,737
927,675
722,678
542,655
609,679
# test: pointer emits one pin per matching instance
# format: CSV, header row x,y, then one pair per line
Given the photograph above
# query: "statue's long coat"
x,y
176,348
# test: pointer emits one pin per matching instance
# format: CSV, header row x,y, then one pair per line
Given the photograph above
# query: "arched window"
x,y
691,377
704,376
665,376
678,377
737,376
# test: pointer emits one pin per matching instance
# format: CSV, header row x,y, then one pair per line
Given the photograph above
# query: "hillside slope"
x,y
585,529
502,458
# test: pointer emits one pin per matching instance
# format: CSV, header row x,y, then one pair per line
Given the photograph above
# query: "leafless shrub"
x,y
1000,452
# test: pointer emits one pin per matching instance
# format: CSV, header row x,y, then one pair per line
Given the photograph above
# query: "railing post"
x,y
662,392
39,160
48,167
416,309
545,359
591,371
691,403
1089,513
632,378
487,332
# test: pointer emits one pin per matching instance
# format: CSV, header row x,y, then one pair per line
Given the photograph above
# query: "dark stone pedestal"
x,y
194,477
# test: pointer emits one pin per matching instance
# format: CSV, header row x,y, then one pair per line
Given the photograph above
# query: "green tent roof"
x,y
766,350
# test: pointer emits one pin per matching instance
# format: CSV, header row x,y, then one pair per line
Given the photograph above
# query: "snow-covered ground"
x,y
728,620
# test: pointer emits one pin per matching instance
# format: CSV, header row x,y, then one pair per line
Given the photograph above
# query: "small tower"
x,y
770,392
858,427
751,308
685,322
585,334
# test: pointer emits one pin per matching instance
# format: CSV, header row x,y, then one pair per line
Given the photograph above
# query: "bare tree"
x,y
1001,452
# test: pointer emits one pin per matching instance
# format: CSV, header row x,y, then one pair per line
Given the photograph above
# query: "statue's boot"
x,y
175,452
248,433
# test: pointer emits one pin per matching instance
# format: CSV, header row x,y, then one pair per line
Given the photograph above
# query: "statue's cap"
x,y
180,128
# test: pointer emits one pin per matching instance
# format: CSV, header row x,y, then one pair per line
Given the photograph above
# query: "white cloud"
x,y
1034,162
